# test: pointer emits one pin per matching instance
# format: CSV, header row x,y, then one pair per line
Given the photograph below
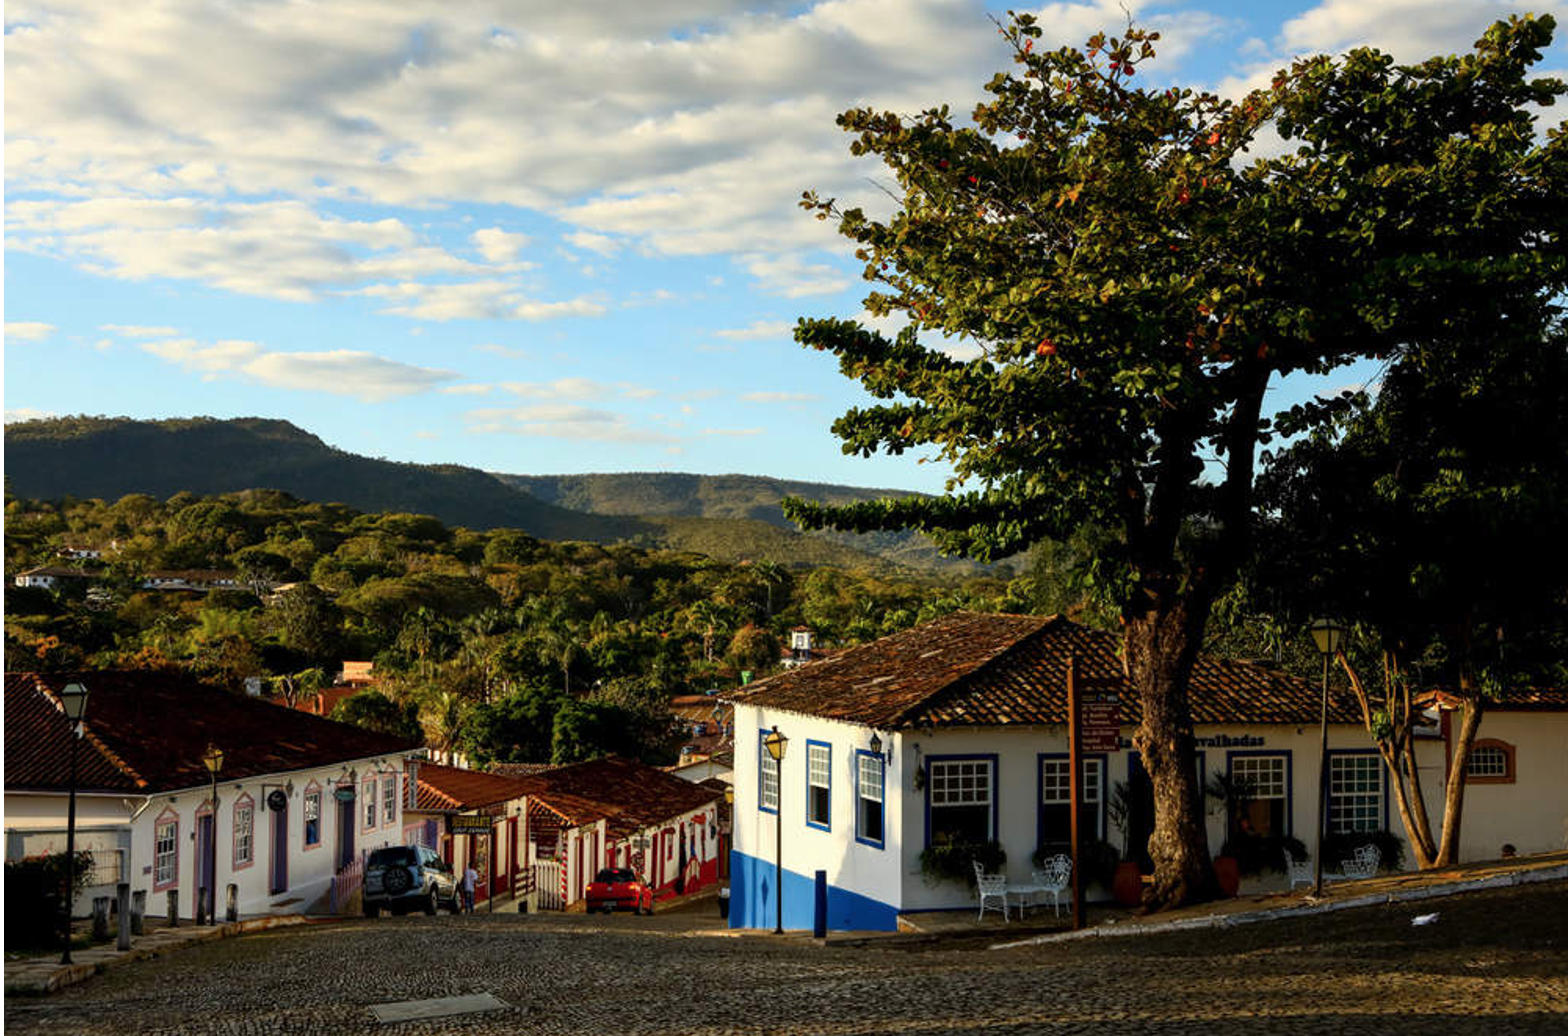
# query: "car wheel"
x,y
372,910
432,903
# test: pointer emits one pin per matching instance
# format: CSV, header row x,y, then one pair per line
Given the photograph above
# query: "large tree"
x,y
1434,517
1132,283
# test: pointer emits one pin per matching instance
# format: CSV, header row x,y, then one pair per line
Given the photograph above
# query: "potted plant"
x,y
955,861
1127,883
1234,794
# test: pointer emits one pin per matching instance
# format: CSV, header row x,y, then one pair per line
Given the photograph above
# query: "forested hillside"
x,y
482,640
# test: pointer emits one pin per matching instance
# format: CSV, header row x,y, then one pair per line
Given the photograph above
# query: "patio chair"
x,y
1300,871
992,888
1054,878
1363,863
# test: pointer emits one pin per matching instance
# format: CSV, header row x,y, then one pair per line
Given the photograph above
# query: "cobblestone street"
x,y
1494,962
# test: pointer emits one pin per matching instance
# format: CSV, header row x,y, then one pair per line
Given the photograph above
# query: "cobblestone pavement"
x,y
1494,962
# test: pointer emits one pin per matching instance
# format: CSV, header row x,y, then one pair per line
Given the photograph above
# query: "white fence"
x,y
549,885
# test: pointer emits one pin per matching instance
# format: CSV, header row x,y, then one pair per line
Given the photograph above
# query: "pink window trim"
x,y
313,788
234,838
167,817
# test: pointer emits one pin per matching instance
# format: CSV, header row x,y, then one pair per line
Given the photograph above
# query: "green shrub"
x,y
1256,853
956,862
1338,848
33,887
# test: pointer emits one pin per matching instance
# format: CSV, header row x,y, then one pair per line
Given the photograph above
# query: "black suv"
x,y
405,877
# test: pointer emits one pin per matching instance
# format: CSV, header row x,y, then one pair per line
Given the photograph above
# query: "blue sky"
x,y
526,237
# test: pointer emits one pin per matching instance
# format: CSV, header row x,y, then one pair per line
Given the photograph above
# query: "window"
x,y
767,777
869,789
1056,801
1355,793
389,799
165,853
819,785
368,794
1490,762
1267,811
244,832
960,802
312,818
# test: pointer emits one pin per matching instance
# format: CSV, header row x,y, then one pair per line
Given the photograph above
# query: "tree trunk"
x,y
1454,792
1161,649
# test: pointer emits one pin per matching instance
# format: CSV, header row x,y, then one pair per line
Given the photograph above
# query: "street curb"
x,y
1523,877
70,974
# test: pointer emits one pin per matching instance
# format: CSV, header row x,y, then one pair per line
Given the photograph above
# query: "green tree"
x,y
1435,519
1133,283
306,621
373,710
516,729
589,729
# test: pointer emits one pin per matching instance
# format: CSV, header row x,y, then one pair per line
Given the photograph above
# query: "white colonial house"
x,y
955,731
300,800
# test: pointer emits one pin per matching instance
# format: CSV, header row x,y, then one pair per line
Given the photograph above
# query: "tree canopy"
x,y
1101,280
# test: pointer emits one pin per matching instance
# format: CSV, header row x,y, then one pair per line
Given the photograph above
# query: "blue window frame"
x,y
961,799
1055,820
767,776
870,798
819,785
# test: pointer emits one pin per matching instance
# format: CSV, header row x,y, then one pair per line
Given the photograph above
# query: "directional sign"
x,y
470,824
1099,720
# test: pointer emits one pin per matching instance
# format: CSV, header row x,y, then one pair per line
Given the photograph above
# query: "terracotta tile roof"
x,y
973,669
444,788
147,732
576,809
520,769
1518,699
632,795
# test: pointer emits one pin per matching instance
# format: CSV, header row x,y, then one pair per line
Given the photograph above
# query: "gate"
x,y
549,879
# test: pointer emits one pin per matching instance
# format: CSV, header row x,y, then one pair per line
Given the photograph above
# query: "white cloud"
x,y
591,242
555,421
19,414
793,277
779,397
561,388
138,330
340,372
28,330
505,351
759,329
497,245
475,300
467,390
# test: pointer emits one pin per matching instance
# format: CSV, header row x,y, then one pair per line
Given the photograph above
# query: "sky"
x,y
528,237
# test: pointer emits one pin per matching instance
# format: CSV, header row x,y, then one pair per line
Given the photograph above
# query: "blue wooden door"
x,y
280,850
204,861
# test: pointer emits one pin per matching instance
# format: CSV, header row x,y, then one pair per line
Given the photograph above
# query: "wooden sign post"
x,y
1093,725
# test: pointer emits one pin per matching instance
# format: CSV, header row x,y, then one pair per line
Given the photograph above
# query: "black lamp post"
x,y
776,743
73,696
1328,635
213,760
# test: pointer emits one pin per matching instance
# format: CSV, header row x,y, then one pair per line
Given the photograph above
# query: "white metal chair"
x,y
1300,871
1363,863
1053,879
992,888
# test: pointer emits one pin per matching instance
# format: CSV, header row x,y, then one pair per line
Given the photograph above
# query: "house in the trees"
x,y
51,577
955,732
299,800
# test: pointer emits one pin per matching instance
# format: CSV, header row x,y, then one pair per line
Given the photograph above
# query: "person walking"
x,y
470,880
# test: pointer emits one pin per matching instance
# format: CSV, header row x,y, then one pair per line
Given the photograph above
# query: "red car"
x,y
618,887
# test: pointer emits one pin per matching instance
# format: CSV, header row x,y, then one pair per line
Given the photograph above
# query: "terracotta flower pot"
x,y
1127,886
1228,873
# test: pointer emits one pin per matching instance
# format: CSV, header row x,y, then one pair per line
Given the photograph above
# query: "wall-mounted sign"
x,y
470,824
277,800
343,794
1099,716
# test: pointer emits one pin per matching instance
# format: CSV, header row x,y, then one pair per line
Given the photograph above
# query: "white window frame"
x,y
166,853
1055,789
767,776
953,783
312,803
1364,806
367,791
819,774
244,833
388,799
870,786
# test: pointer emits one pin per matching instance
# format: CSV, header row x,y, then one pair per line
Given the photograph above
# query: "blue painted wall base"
x,y
752,904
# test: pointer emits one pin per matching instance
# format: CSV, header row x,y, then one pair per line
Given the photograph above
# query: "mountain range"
x,y
724,516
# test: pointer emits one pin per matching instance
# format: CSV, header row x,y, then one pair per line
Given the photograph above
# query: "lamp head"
x,y
729,794
775,743
212,758
1328,635
73,696
876,743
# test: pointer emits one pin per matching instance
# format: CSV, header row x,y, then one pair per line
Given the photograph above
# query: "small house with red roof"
x,y
469,816
954,732
298,800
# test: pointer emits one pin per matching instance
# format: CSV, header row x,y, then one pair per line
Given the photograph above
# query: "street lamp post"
x,y
776,743
213,760
1328,635
73,696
